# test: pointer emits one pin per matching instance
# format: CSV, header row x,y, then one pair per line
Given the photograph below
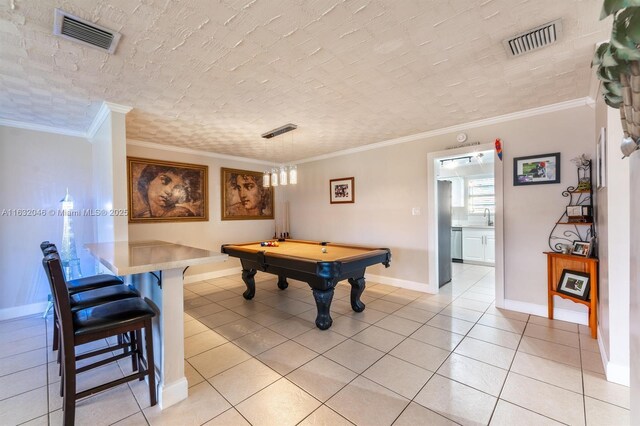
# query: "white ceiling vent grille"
x,y
76,29
534,39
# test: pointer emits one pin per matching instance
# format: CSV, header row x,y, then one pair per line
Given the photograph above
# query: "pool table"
x,y
320,264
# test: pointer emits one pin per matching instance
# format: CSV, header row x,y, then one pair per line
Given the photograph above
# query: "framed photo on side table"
x,y
536,169
575,284
581,248
342,190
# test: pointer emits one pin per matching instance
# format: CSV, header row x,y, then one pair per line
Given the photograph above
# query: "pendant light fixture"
x,y
293,174
283,175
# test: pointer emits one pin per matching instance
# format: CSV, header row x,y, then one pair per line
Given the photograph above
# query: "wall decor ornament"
x,y
165,191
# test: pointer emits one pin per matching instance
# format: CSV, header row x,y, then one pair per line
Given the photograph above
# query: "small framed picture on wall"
x,y
342,190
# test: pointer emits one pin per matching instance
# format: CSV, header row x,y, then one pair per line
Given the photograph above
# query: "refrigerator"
x,y
444,232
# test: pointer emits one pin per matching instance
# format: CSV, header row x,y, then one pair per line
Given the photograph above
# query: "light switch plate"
x,y
416,211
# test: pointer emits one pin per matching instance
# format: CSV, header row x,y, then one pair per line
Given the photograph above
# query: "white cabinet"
x,y
478,245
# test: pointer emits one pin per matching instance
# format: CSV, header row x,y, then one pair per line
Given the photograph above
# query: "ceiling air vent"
x,y
534,39
76,29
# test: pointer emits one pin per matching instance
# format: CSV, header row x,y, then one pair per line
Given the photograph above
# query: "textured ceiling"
x,y
214,75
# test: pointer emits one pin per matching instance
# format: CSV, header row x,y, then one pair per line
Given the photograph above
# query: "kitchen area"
x,y
466,211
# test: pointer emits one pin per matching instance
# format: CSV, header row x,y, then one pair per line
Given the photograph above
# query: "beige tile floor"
x,y
408,359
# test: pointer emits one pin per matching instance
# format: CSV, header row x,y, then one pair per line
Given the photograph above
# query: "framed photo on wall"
x,y
243,195
342,190
164,191
536,169
574,283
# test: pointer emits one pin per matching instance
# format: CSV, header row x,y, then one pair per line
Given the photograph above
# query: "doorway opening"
x,y
465,214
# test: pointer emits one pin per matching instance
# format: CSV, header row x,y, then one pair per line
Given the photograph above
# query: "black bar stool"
x,y
109,319
85,283
89,291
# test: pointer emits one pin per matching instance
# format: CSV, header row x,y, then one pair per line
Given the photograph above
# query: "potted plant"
x,y
619,67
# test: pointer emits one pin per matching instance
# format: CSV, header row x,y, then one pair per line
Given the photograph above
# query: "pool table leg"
x,y
357,287
247,277
282,282
323,303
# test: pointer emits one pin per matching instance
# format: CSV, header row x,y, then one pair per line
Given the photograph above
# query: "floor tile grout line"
x,y
388,352
46,332
322,354
509,371
444,361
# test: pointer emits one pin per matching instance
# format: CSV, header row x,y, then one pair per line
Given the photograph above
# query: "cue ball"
x,y
324,249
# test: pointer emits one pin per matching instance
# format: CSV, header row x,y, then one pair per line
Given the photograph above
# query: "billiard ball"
x,y
324,249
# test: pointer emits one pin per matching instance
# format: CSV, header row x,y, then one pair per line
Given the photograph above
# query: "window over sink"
x,y
481,195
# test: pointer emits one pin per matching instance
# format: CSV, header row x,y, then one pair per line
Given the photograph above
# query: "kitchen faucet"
x,y
487,214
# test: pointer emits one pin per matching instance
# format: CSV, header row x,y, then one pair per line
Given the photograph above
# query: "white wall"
x,y
35,170
613,221
110,173
391,180
214,232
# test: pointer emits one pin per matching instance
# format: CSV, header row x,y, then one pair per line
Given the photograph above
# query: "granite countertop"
x,y
125,257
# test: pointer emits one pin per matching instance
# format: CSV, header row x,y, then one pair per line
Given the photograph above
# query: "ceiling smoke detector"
x,y
280,130
533,39
76,29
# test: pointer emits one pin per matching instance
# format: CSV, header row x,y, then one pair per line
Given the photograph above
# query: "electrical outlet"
x,y
416,211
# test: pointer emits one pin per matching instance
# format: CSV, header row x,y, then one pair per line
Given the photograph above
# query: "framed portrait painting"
x,y
536,169
164,191
574,283
243,195
342,190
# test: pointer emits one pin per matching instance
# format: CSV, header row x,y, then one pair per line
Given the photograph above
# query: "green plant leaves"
x,y
614,59
612,6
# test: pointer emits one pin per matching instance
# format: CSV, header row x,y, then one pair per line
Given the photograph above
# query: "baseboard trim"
x,y
22,311
397,282
542,311
211,275
616,373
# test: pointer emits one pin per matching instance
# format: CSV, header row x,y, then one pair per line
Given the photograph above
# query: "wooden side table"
x,y
556,263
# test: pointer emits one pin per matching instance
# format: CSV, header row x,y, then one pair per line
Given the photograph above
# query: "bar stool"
x,y
85,283
109,319
89,291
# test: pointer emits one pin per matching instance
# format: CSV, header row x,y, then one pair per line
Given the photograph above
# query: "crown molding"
x,y
171,148
457,128
105,110
122,109
108,107
41,128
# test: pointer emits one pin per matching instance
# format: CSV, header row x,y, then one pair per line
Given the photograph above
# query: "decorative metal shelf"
x,y
582,231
